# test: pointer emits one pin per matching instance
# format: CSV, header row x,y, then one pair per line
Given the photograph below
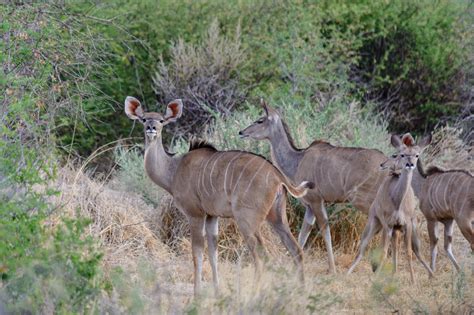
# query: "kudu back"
x,y
340,174
207,184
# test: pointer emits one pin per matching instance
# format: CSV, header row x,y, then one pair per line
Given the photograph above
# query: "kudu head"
x,y
407,153
153,122
263,127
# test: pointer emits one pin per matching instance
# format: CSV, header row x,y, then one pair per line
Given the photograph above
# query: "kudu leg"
x,y
279,221
252,244
291,245
433,235
395,243
262,249
448,239
323,223
308,222
212,228
416,249
467,229
387,237
249,229
197,243
408,242
373,227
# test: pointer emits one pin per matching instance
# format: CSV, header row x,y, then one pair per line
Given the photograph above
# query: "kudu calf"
x,y
341,174
207,184
393,209
445,196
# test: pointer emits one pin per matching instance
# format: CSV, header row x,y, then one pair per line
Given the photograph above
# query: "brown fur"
x,y
393,209
207,184
445,196
340,174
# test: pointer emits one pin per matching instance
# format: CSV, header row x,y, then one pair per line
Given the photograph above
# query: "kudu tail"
x,y
300,190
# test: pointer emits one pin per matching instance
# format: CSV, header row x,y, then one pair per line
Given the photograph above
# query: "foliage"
x,y
43,268
59,272
327,66
410,57
203,76
419,81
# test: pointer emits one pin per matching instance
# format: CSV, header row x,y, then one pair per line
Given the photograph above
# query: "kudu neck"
x,y
402,185
159,165
417,183
284,153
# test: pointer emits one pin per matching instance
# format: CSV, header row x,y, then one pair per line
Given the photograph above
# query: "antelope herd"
x,y
207,184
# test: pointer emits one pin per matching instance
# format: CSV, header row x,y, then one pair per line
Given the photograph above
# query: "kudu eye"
x,y
162,121
144,120
259,121
394,156
402,155
417,155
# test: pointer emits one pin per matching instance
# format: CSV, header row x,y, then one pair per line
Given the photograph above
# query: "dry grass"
x,y
153,251
123,223
447,150
148,240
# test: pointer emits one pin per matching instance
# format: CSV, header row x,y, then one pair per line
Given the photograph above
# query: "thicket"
x,y
409,61
327,66
45,266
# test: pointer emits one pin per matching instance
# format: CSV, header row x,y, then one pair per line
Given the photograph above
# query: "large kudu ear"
x,y
133,108
174,110
395,141
408,140
425,141
271,113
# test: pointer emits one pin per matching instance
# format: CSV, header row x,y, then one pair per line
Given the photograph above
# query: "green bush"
x,y
204,76
53,271
43,269
410,56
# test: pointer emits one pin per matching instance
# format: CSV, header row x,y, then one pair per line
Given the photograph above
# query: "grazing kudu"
x,y
393,209
207,184
341,174
445,196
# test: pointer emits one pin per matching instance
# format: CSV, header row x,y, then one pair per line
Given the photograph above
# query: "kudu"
x,y
207,184
341,174
445,196
393,209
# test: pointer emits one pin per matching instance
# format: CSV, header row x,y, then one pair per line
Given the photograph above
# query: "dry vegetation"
x,y
148,257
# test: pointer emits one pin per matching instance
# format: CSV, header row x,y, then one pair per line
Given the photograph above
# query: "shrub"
x,y
43,269
205,76
410,57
